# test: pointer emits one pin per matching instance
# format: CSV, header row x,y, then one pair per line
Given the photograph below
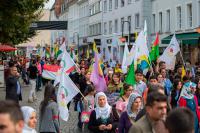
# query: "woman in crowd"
x,y
176,91
128,117
160,79
123,100
30,119
188,99
49,120
115,85
102,119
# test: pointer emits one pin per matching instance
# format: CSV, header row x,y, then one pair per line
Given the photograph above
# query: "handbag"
x,y
85,116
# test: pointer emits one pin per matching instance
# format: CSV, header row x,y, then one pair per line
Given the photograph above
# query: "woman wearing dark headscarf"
x,y
102,118
128,117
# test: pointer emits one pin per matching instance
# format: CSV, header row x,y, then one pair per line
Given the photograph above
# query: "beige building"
x,y
43,36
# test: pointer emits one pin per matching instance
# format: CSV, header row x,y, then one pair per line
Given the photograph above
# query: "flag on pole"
x,y
97,76
154,54
67,66
50,71
66,91
48,52
183,72
131,55
169,55
61,50
88,53
130,78
126,53
141,52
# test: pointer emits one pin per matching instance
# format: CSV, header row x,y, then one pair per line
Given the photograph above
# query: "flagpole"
x,y
182,55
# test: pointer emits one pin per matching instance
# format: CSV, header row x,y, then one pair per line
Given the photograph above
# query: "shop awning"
x,y
185,38
6,48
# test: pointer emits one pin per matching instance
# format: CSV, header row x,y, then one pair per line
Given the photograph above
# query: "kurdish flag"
x,y
61,50
154,54
66,91
50,71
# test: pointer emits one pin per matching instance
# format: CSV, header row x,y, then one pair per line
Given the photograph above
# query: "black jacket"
x,y
11,89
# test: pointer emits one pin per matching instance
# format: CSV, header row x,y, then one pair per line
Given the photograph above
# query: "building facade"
x,y
181,18
102,21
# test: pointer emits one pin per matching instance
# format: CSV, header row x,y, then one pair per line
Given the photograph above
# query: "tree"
x,y
15,18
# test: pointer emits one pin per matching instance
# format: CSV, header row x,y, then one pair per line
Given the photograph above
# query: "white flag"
x,y
130,56
169,55
126,53
66,91
67,66
61,50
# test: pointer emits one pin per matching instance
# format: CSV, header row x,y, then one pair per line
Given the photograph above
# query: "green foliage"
x,y
15,18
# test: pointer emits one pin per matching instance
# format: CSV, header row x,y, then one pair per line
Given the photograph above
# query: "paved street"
x,y
66,127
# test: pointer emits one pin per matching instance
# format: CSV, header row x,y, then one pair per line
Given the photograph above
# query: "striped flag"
x,y
50,71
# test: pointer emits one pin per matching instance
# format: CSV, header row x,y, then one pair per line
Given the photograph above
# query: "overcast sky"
x,y
49,4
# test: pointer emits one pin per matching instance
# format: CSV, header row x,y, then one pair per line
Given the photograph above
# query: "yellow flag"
x,y
87,54
136,35
95,47
183,72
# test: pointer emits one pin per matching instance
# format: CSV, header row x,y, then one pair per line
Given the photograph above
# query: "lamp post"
x,y
77,40
129,30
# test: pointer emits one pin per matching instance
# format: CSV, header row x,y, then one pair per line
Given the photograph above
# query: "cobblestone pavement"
x,y
66,127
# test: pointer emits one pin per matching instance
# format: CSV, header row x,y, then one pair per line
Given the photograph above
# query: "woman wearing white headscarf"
x,y
102,119
128,117
30,119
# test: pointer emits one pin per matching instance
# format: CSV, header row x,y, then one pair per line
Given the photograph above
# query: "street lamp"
x,y
129,30
77,40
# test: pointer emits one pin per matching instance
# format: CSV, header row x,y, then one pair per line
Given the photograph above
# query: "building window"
x,y
129,19
122,3
189,15
129,1
154,23
110,5
168,21
137,20
110,27
179,18
105,28
116,4
122,21
105,6
116,26
160,22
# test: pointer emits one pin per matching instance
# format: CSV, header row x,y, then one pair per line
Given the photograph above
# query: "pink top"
x,y
39,67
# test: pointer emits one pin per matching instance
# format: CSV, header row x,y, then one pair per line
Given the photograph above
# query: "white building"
x,y
117,12
95,22
83,25
179,17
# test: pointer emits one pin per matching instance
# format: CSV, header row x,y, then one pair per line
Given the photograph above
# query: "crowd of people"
x,y
161,101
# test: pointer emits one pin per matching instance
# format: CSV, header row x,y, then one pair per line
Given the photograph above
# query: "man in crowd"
x,y
180,120
13,88
11,118
153,120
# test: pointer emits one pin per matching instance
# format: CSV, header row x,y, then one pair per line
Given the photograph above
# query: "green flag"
x,y
130,78
154,54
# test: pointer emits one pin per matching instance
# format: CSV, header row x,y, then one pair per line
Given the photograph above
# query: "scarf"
x,y
102,112
131,100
